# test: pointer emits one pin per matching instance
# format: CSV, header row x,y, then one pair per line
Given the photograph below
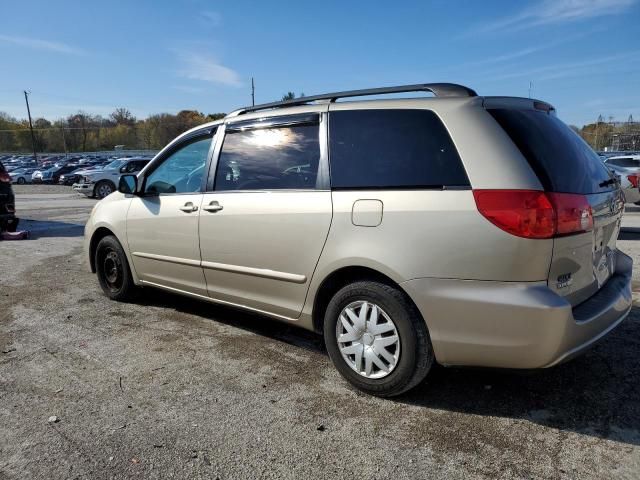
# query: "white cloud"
x,y
38,44
212,18
197,66
569,69
548,12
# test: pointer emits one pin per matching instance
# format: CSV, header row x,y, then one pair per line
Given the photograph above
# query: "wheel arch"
x,y
344,276
98,235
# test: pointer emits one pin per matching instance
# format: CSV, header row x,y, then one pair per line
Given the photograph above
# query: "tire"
x,y
413,353
103,188
21,181
113,270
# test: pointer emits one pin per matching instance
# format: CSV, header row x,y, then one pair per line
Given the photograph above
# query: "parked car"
x,y
627,169
8,221
52,175
628,182
21,175
464,230
100,183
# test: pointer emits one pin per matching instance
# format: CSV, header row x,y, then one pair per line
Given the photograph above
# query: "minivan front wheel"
x,y
113,270
377,339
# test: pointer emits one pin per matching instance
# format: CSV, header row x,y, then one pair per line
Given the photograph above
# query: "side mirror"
x,y
128,184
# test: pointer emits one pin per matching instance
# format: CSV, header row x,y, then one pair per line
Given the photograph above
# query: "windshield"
x,y
115,164
563,162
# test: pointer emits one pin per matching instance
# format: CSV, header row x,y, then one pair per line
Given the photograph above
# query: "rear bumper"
x,y
517,325
631,195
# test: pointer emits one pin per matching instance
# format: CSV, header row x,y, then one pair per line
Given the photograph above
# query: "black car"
x,y
52,175
8,221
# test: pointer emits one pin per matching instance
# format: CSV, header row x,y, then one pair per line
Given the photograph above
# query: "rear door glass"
x,y
392,149
626,162
562,160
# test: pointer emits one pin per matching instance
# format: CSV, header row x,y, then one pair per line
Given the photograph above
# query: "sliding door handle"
x,y
213,207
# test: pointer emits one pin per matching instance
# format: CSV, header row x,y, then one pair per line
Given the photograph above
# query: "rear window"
x,y
626,162
560,158
392,149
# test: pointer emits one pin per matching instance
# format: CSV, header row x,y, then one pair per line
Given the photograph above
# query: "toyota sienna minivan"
x,y
458,229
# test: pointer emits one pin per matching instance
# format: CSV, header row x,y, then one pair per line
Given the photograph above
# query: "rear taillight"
x,y
5,177
573,213
633,179
535,214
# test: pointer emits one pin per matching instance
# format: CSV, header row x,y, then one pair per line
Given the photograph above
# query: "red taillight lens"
x,y
573,213
633,179
5,177
535,214
524,213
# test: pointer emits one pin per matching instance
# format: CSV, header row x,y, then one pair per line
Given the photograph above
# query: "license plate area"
x,y
604,253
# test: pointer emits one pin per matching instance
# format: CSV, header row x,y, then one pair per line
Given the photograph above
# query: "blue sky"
x,y
164,56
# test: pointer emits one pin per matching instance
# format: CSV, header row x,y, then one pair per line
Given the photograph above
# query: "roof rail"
x,y
438,89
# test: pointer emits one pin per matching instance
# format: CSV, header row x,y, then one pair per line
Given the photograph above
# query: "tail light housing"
x,y
5,177
633,180
535,214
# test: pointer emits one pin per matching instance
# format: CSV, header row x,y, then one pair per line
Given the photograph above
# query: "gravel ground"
x,y
172,388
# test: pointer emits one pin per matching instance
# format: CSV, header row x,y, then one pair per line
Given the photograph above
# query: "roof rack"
x,y
438,89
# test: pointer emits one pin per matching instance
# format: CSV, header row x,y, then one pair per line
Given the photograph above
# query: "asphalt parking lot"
x,y
171,388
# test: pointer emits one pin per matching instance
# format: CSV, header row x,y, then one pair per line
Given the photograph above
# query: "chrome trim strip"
x,y
215,300
223,267
165,258
256,272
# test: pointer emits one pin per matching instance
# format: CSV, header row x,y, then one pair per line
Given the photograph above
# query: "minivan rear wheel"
x,y
113,270
377,339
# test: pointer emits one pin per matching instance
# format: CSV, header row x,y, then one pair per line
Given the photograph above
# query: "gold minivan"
x,y
455,228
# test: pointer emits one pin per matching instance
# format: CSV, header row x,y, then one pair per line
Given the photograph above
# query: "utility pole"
x,y
33,138
253,93
530,87
64,142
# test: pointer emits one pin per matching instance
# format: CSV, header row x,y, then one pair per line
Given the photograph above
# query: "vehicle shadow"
x,y
596,394
245,320
42,229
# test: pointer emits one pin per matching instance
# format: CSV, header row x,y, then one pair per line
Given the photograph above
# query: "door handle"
x,y
213,207
189,207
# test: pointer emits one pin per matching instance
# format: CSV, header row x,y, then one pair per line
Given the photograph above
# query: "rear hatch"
x,y
583,260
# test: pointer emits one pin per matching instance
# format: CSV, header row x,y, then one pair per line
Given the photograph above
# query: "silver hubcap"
x,y
368,339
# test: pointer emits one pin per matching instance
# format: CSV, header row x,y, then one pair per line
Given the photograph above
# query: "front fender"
x,y
109,214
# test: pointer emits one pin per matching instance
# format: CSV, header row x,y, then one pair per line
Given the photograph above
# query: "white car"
x,y
21,175
100,183
628,176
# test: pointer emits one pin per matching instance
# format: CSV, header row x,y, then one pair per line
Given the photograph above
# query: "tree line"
x,y
83,132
